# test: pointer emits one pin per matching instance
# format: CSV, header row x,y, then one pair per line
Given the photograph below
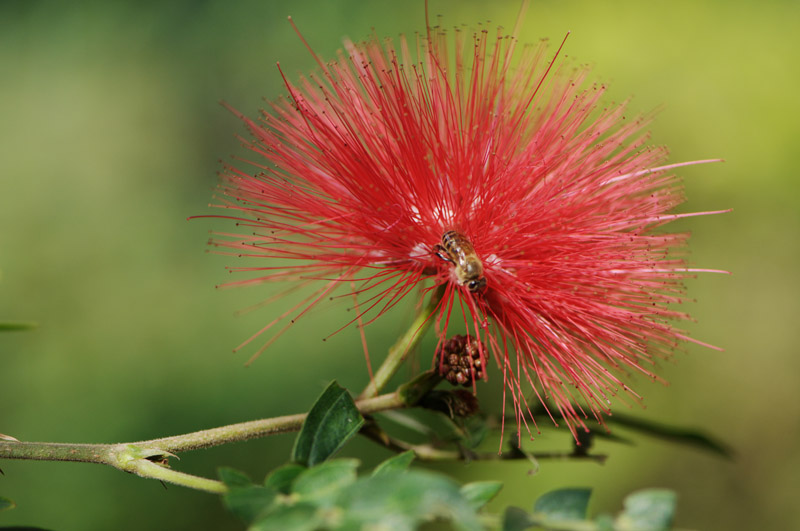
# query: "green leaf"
x,y
476,429
676,434
479,493
332,421
398,463
233,478
281,478
516,519
647,510
322,483
564,504
10,326
297,517
245,499
404,500
249,502
417,388
429,423
409,419
6,504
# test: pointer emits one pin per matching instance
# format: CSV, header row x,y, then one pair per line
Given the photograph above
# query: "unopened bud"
x,y
460,360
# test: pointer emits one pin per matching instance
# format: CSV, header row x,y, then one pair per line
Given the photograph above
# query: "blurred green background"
x,y
110,138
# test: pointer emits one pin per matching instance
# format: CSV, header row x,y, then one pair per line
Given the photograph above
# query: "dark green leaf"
x,y
233,478
398,463
564,504
281,479
249,502
455,403
296,517
404,501
468,432
479,493
332,421
648,510
672,433
516,519
9,326
417,388
427,422
322,483
476,429
5,504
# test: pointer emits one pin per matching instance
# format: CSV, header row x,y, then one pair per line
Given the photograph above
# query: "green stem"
x,y
259,428
400,350
85,453
148,469
148,458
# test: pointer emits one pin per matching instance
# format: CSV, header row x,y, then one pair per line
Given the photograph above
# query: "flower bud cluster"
x,y
460,360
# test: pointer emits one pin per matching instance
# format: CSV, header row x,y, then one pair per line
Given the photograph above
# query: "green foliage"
x,y
648,509
405,500
566,510
564,504
516,519
322,483
398,463
676,434
248,502
233,478
331,496
479,493
467,432
317,492
332,421
281,479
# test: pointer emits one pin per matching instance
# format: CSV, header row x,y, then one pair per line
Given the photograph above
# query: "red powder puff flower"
x,y
490,171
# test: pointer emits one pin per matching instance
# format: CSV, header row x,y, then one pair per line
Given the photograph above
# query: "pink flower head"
x,y
494,172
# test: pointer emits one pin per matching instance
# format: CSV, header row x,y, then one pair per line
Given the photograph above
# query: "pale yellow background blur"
x,y
110,133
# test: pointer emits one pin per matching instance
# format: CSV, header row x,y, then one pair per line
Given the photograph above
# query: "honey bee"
x,y
457,249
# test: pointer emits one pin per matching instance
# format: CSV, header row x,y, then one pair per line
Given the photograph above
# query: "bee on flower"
x,y
491,171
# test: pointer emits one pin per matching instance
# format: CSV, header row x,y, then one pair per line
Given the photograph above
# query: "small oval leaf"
x,y
233,478
648,510
322,483
516,519
281,479
479,493
249,502
296,517
332,421
677,434
404,501
564,504
398,463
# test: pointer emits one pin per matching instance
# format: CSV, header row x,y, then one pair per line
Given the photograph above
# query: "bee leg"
x,y
441,253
